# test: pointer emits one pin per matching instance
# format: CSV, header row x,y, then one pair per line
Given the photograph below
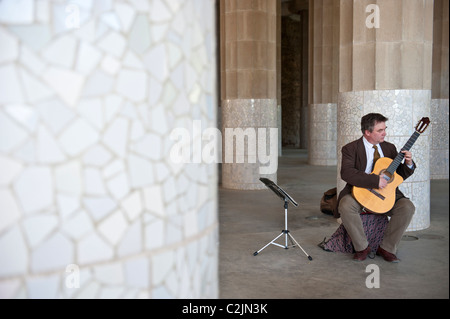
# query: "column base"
x,y
322,134
243,118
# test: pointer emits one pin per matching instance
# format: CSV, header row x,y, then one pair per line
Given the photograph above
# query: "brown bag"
x,y
328,202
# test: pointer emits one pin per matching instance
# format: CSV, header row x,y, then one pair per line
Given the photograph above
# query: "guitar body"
x,y
379,200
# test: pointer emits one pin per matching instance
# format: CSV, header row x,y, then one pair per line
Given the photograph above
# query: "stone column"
x,y
385,67
249,92
439,165
92,203
292,84
304,116
278,73
324,54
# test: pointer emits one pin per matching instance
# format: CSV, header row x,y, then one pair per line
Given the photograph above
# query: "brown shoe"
x,y
361,255
387,255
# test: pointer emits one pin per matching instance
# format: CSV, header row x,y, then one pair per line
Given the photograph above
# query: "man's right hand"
x,y
382,182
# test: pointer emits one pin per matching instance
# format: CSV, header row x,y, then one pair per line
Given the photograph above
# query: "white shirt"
x,y
369,154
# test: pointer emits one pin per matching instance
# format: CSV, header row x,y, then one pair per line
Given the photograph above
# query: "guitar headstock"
x,y
422,125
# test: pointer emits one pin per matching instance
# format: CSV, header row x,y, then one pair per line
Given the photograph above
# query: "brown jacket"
x,y
354,162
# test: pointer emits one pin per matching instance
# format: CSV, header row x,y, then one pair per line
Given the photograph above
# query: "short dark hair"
x,y
368,121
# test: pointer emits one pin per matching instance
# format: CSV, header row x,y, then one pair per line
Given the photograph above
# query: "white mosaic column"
x,y
403,108
439,166
91,204
439,157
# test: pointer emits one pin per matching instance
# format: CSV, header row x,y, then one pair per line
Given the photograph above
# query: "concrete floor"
x,y
251,219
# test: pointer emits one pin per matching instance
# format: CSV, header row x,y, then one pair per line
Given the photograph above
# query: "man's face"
x,y
378,133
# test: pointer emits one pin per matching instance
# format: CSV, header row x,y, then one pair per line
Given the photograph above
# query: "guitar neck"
x,y
399,158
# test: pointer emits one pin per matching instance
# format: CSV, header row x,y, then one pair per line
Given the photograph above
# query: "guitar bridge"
x,y
376,193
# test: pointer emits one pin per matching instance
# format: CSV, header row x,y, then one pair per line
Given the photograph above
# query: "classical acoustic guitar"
x,y
382,200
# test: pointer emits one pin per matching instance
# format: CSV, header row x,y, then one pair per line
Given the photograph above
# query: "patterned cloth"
x,y
374,227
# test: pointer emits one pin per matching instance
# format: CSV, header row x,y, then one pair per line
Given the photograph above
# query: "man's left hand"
x,y
408,157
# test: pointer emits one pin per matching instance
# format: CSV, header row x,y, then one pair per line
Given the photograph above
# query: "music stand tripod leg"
x,y
292,237
271,242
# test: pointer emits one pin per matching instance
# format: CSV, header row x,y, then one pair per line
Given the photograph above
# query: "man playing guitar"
x,y
357,165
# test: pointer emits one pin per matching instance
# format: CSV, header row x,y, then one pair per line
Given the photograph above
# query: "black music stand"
x,y
286,198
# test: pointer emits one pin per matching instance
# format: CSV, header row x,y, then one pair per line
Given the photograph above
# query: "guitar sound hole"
x,y
386,175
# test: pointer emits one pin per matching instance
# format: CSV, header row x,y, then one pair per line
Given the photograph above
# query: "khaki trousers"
x,y
401,215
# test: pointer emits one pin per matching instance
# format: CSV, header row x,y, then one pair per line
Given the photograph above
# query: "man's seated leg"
x,y
350,211
401,215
